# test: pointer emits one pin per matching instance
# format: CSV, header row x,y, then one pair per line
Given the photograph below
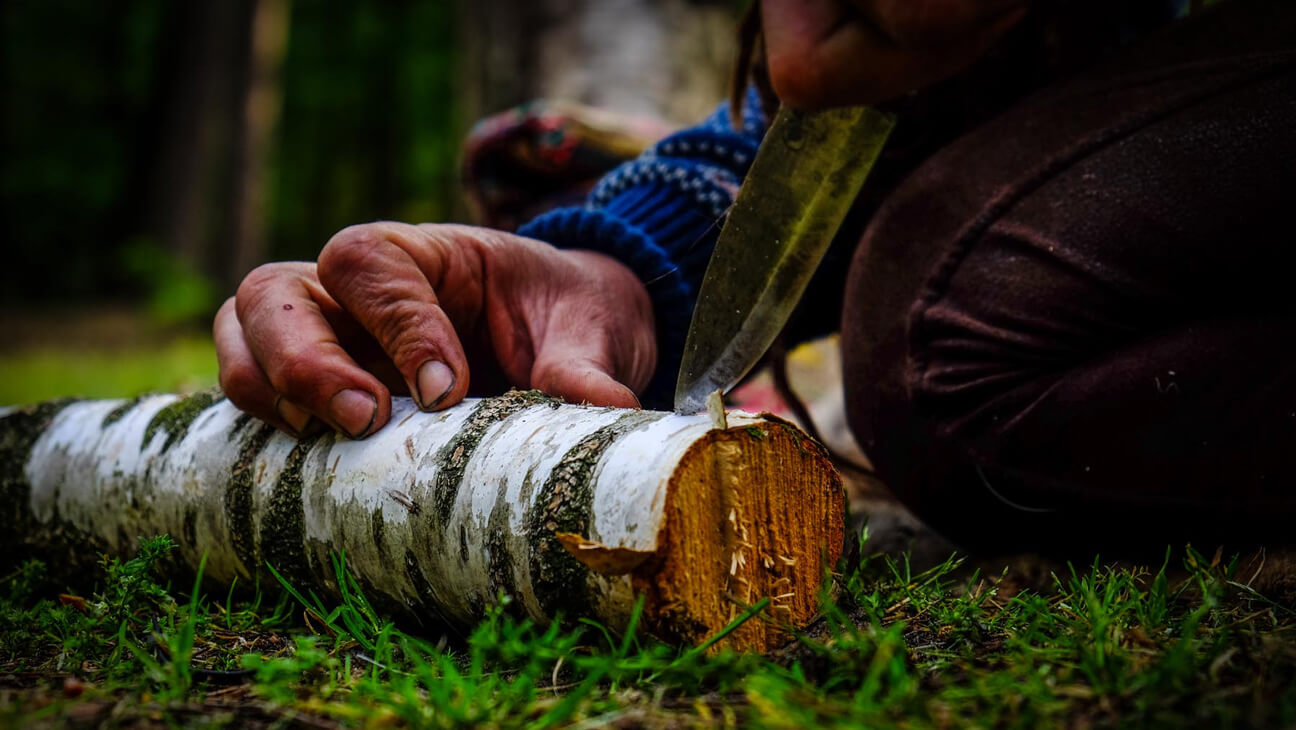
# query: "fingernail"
x,y
435,379
353,411
292,414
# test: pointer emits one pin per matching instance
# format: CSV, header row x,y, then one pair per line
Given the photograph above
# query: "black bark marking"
x,y
379,529
191,525
476,606
452,459
430,526
499,559
238,498
120,412
19,431
176,418
565,504
240,423
424,593
24,537
283,524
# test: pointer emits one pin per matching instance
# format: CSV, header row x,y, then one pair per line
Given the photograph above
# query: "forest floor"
x,y
1193,643
908,638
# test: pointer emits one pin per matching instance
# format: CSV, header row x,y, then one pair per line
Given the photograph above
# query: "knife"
x,y
806,174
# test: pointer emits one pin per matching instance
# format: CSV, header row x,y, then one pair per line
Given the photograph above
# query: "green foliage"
x,y
68,632
1096,646
354,619
177,293
183,364
172,672
130,589
309,664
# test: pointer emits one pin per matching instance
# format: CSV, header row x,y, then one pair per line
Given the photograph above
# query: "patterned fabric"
x,y
543,154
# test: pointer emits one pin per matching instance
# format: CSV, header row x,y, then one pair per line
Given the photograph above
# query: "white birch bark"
x,y
437,513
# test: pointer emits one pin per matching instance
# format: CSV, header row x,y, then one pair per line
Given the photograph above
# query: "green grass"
x,y
1187,644
184,364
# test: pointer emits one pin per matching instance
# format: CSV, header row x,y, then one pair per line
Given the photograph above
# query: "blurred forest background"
x,y
154,151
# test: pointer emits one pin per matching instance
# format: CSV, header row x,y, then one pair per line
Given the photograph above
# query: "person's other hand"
x,y
825,53
396,307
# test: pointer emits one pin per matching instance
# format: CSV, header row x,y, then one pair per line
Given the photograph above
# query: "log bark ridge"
x,y
568,509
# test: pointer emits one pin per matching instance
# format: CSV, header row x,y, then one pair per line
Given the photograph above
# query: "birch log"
x,y
567,509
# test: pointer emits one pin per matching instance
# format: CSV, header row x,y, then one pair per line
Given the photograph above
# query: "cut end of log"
x,y
752,512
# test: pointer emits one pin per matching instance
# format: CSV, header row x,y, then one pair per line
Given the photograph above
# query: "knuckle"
x,y
257,284
263,276
240,383
295,371
353,251
402,325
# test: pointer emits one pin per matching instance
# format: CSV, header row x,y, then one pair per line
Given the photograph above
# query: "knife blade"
x,y
806,174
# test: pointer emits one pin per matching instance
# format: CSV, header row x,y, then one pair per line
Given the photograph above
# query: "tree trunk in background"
x,y
665,58
496,54
210,187
262,104
190,186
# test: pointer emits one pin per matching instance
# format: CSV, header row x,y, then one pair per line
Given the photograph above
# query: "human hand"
x,y
825,53
397,307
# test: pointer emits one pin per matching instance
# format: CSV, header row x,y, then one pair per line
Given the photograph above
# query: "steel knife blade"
x,y
806,175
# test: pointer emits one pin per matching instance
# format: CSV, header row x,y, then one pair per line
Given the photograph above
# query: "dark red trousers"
x,y
1075,327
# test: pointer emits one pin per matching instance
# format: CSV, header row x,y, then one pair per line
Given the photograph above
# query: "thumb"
x,y
579,379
